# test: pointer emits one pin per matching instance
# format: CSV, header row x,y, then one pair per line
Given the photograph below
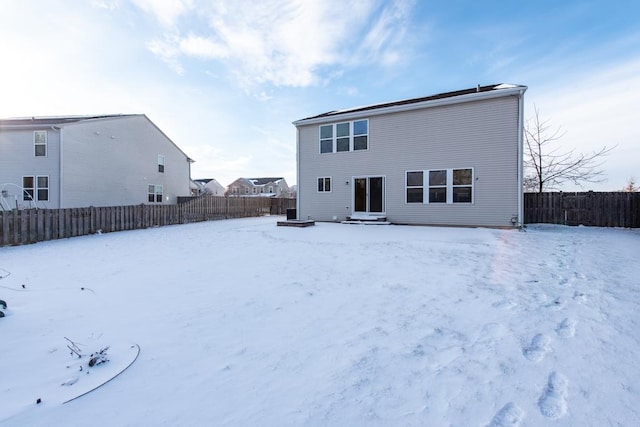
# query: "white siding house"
x,y
259,187
66,162
210,186
449,159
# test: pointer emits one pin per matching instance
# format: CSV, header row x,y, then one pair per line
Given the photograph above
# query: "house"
x,y
258,187
449,159
80,161
209,186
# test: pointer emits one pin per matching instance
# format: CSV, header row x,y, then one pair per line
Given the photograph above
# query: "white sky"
x,y
225,79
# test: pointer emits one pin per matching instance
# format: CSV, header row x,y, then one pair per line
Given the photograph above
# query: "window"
x,y
343,132
270,189
161,164
155,193
438,186
42,188
40,143
35,188
346,136
360,134
415,187
28,188
462,185
326,139
324,184
446,186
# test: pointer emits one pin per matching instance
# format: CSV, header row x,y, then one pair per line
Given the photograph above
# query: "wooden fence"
x,y
619,209
19,227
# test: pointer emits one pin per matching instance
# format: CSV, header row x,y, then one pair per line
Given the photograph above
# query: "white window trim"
x,y
46,142
449,186
323,184
334,136
161,162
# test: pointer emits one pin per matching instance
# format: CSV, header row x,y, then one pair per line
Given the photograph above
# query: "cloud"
x,y
166,11
292,43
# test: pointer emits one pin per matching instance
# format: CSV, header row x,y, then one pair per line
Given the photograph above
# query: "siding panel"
x,y
481,134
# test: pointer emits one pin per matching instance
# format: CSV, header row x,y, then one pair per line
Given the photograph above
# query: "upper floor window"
x,y
40,143
345,136
161,164
445,186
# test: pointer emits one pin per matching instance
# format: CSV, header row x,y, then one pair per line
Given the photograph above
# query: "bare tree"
x,y
631,185
548,167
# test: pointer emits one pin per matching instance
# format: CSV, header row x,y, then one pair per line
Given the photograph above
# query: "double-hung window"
x,y
324,184
155,193
415,187
160,164
440,186
35,188
40,143
345,136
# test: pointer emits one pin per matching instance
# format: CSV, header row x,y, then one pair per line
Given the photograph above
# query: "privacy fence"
x,y
619,209
18,227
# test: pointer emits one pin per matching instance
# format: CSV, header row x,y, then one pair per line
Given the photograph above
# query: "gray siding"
x,y
111,162
17,159
108,161
481,134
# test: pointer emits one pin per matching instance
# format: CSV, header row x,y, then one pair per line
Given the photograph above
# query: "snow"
x,y
329,325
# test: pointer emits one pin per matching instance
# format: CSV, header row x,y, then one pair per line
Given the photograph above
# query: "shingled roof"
x,y
54,120
444,95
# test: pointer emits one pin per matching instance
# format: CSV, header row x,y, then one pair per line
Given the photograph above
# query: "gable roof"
x,y
55,120
414,103
35,122
263,181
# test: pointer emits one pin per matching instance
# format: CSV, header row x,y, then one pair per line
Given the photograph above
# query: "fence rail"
x,y
619,209
18,227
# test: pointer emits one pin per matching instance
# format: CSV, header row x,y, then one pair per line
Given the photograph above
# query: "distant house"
x,y
209,186
80,161
449,159
258,187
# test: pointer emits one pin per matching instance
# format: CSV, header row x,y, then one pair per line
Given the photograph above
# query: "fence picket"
x,y
602,209
30,226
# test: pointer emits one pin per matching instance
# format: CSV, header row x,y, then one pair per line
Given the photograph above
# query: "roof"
x,y
263,181
465,93
30,122
55,120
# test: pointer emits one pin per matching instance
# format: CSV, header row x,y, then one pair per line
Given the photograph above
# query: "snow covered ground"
x,y
242,323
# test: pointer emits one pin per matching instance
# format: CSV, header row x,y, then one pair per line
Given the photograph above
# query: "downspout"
x,y
520,222
298,172
61,168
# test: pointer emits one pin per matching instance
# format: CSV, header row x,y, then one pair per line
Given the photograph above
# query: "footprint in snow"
x,y
557,304
579,296
553,402
538,348
509,415
566,328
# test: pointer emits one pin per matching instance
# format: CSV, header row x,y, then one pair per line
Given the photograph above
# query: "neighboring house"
x,y
210,186
448,159
258,187
80,161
